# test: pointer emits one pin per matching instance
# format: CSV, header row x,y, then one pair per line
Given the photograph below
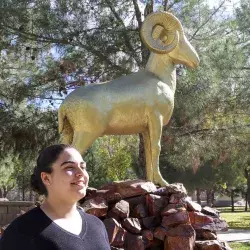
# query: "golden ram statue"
x,y
141,102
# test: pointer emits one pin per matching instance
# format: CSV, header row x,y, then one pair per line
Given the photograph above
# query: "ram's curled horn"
x,y
160,32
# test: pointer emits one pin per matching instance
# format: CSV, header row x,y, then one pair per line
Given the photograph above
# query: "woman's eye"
x,y
69,168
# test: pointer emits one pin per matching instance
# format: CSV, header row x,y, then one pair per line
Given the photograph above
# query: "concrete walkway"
x,y
234,235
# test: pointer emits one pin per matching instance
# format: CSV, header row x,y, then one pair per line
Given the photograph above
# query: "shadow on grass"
x,y
229,210
240,245
237,211
241,223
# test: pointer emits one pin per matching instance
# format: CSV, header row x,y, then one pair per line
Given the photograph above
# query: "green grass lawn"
x,y
240,245
237,220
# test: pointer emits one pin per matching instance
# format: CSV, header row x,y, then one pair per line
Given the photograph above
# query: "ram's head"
x,y
162,33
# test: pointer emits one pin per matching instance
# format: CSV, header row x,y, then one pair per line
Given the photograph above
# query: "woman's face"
x,y
69,178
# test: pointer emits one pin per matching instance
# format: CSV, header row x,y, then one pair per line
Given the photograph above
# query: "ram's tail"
x,y
64,127
61,118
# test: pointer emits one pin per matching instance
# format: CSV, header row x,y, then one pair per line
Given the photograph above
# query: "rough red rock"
x,y
112,227
111,214
132,225
172,208
181,237
208,245
155,204
121,208
150,222
198,219
221,225
175,219
131,188
148,234
166,212
215,226
205,235
147,237
160,233
134,242
137,200
139,211
193,206
110,196
184,230
175,188
155,244
210,211
176,198
90,191
1,231
179,243
113,197
96,206
119,238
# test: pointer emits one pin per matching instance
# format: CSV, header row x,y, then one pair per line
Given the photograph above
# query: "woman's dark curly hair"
x,y
44,162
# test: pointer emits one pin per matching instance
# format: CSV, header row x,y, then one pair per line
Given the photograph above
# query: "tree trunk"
x,y
1,193
141,173
213,199
165,4
23,190
209,197
248,190
5,191
31,196
246,202
232,200
144,51
198,195
247,175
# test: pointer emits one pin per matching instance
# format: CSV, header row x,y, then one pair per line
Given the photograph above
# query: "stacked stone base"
x,y
139,216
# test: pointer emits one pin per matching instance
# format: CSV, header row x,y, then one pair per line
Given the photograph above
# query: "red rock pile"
x,y
139,216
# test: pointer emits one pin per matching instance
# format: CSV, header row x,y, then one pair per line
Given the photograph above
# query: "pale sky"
x,y
230,4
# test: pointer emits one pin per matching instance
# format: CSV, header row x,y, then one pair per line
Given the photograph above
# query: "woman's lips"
x,y
79,183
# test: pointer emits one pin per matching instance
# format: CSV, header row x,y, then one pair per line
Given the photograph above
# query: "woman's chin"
x,y
81,193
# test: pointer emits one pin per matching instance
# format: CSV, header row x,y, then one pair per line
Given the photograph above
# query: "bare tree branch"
x,y
206,21
125,35
171,5
165,5
137,13
208,130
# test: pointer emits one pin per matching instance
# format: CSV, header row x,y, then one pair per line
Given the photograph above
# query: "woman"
x,y
57,224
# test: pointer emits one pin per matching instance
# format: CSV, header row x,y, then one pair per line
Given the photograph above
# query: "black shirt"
x,y
36,231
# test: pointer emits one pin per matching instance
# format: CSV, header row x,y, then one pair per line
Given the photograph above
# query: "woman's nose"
x,y
79,172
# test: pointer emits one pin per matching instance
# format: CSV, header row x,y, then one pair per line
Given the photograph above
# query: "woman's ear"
x,y
45,177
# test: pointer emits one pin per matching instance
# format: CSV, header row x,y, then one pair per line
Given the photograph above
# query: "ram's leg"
x,y
147,149
155,131
83,140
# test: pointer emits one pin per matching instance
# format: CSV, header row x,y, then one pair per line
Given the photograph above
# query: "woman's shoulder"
x,y
24,221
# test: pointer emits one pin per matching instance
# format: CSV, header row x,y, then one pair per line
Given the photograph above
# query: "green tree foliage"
x,y
112,158
7,170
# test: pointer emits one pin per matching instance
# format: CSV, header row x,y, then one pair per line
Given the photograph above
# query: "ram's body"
x,y
122,106
138,103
